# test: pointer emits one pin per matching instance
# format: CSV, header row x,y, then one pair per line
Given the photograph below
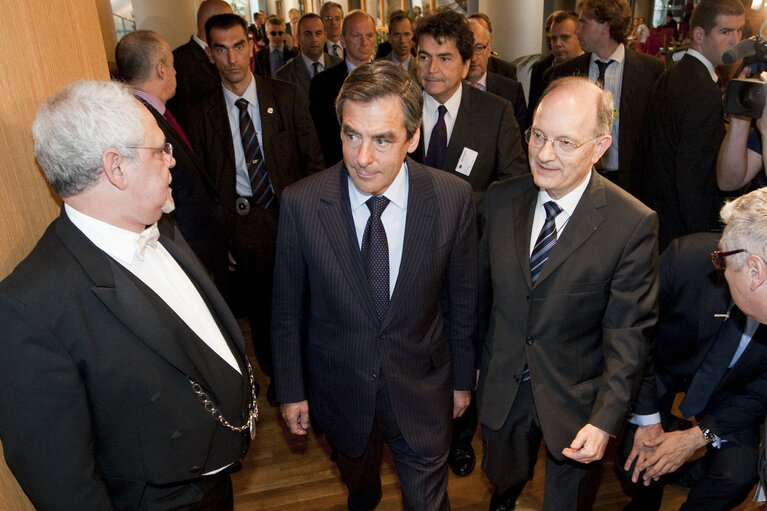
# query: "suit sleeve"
x,y
306,136
45,419
460,298
509,158
630,315
744,407
288,308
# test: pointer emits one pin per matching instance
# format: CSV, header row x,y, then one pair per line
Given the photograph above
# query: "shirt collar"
x,y
618,55
430,104
118,243
570,200
156,103
202,44
249,94
275,48
706,62
396,193
309,61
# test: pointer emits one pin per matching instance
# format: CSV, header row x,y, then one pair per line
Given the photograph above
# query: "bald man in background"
x,y
196,77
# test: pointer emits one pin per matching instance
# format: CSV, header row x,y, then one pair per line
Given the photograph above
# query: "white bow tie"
x,y
149,236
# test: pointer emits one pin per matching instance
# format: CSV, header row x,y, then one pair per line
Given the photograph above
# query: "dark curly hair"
x,y
448,24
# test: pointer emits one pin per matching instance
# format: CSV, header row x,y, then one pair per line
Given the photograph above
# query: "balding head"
x,y
208,9
145,62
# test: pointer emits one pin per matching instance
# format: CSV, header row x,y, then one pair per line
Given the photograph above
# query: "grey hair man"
x,y
136,335
332,15
370,255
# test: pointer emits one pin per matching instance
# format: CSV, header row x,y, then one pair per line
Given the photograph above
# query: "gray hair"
x,y
604,100
383,79
745,220
74,128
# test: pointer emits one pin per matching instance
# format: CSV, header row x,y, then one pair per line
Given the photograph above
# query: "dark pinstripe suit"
x,y
328,345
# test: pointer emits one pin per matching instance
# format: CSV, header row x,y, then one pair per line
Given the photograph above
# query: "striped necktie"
x,y
546,240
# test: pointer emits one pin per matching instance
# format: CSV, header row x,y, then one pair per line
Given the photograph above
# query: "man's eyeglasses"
x,y
275,33
332,18
563,145
479,48
166,150
718,257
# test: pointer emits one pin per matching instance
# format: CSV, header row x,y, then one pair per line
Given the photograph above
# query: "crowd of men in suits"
x,y
417,252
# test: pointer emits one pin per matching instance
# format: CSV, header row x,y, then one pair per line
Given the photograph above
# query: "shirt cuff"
x,y
645,420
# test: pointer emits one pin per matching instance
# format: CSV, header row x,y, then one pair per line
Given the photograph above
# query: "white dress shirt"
x,y
567,203
393,218
161,273
430,114
613,83
243,180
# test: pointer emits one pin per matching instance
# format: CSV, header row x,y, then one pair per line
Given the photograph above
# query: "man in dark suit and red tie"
x,y
145,63
375,297
568,296
255,137
125,383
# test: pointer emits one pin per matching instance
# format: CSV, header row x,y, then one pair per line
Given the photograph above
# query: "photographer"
x,y
741,157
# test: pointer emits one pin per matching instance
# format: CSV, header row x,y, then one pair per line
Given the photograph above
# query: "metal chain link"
x,y
211,408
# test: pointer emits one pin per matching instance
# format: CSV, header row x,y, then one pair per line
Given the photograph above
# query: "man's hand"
x,y
588,445
296,416
671,450
461,400
639,451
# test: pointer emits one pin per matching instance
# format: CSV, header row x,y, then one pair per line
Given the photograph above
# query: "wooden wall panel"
x,y
44,46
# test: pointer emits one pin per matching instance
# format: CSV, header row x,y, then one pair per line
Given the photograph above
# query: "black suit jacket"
x,y
640,71
685,127
96,400
327,341
263,66
511,91
322,104
583,326
693,300
196,77
536,79
295,71
485,124
290,146
199,212
501,67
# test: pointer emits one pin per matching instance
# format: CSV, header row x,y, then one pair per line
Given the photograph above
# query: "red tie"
x,y
176,126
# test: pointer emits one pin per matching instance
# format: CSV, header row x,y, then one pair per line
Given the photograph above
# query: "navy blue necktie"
x,y
260,186
375,255
438,141
546,240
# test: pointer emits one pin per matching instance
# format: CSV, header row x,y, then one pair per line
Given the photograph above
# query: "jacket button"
x,y
373,377
195,469
529,340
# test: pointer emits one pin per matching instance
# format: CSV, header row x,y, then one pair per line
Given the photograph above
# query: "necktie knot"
x,y
242,104
377,205
441,110
602,66
552,209
316,66
148,236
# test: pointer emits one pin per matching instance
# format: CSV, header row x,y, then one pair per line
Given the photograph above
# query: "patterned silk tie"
x,y
260,186
546,240
438,141
602,67
375,255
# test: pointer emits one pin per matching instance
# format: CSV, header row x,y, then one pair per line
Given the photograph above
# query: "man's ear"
x,y
758,271
111,162
209,53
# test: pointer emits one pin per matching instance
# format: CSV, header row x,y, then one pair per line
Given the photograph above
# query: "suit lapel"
x,y
336,217
584,221
124,298
524,210
419,230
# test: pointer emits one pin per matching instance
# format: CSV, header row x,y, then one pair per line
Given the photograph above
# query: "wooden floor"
x,y
286,472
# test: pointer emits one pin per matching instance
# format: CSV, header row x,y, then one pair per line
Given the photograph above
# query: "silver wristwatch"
x,y
708,435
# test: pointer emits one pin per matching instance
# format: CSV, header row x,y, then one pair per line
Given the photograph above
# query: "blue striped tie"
x,y
260,185
546,240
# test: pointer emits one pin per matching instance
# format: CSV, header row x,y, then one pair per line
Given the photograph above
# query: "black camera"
x,y
746,97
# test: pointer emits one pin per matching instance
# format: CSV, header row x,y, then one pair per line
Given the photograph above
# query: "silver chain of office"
x,y
211,408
